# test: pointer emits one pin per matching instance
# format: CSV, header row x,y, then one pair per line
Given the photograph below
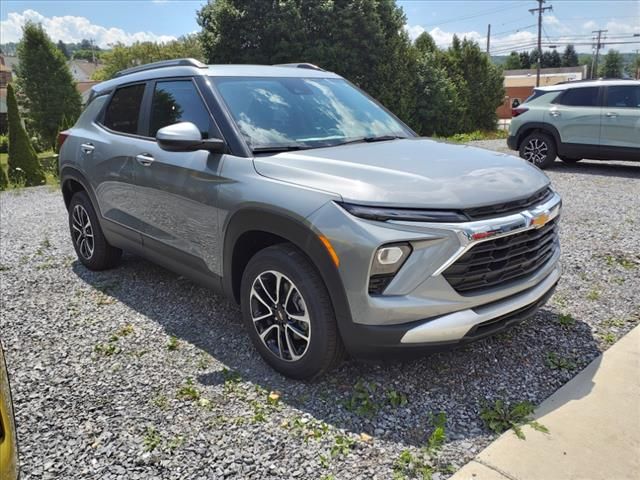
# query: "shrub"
x,y
24,167
4,143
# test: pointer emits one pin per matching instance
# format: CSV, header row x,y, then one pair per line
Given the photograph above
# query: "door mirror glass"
x,y
186,137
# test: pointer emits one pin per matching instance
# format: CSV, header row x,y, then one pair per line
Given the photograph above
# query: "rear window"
x,y
124,109
538,94
580,97
623,96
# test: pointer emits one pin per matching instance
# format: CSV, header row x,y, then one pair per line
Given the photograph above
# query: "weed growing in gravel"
x,y
173,344
616,322
361,400
232,381
161,401
107,349
188,391
501,417
151,439
307,428
126,330
593,295
203,361
175,442
557,362
342,445
4,268
608,338
396,399
408,465
620,259
438,436
566,320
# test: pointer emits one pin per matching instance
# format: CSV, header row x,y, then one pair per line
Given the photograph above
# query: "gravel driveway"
x,y
139,373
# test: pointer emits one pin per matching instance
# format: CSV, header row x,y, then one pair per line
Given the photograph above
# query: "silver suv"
x,y
333,225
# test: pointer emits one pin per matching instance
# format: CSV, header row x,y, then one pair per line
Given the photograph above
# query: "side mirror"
x,y
185,137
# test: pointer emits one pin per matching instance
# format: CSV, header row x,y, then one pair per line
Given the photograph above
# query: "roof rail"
x,y
178,62
309,66
584,80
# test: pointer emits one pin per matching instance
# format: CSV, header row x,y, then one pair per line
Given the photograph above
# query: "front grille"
x,y
494,262
507,208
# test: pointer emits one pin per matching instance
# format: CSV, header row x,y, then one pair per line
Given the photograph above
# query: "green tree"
x,y
121,57
46,87
569,56
23,160
362,40
525,60
63,48
425,43
613,65
513,62
555,60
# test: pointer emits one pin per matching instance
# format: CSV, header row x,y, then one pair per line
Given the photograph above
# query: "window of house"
x,y
178,101
124,109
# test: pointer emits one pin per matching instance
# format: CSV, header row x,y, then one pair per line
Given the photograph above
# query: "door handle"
x,y
554,113
87,148
611,114
144,159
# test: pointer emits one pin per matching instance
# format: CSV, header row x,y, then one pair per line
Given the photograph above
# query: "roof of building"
x,y
544,71
588,83
87,67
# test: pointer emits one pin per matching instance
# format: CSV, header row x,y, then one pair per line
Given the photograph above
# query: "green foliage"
x,y
477,135
188,391
63,49
501,417
425,44
362,400
569,56
566,320
525,60
438,436
409,465
613,65
513,62
342,445
46,87
151,439
121,56
4,143
23,166
557,362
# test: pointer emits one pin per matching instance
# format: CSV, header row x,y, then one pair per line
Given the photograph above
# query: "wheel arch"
x,y
73,180
538,127
250,230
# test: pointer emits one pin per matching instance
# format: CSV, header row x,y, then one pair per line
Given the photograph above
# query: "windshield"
x,y
291,113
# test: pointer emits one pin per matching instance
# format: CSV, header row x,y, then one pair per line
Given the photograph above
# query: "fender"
x,y
294,231
545,127
72,173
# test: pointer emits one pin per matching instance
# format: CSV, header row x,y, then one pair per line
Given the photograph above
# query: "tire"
x,y
305,297
87,233
569,160
538,149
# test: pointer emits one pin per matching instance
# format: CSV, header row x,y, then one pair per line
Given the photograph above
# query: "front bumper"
x,y
451,330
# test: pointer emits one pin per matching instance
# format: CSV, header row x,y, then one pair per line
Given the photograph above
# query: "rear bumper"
x,y
512,142
451,330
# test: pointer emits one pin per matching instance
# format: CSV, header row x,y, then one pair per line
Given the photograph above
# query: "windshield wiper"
x,y
381,138
279,148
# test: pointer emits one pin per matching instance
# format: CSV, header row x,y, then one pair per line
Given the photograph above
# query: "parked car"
x,y
8,440
596,119
290,190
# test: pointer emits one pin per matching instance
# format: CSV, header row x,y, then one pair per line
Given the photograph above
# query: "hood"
x,y
416,172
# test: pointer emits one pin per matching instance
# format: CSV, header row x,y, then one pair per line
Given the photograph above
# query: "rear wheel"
x,y
569,160
539,149
91,246
288,313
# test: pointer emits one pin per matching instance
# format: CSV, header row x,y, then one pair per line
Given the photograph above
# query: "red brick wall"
x,y
511,93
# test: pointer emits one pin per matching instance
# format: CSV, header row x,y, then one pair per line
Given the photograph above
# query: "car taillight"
x,y
518,111
62,136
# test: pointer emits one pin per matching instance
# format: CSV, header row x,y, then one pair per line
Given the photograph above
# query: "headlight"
x,y
382,214
387,260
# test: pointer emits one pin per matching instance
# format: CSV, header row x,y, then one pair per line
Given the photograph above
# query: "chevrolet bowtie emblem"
x,y
540,220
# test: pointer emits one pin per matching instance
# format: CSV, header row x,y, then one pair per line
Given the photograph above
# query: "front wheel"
x,y
288,313
539,149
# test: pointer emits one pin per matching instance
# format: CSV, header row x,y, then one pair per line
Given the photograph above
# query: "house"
x,y
519,84
5,78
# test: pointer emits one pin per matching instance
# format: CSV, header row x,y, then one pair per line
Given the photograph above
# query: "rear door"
x,y
177,191
621,120
576,114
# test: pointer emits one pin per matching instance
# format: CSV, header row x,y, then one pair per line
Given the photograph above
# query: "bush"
x,y
4,143
4,183
24,168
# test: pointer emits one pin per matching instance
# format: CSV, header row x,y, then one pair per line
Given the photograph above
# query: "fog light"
x,y
389,258
389,255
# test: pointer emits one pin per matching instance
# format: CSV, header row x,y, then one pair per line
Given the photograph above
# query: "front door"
x,y
177,191
576,115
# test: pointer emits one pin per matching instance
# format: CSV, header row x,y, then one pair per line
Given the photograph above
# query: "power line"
x,y
475,15
540,11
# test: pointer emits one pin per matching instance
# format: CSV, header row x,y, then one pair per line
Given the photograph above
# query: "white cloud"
x,y
72,29
589,25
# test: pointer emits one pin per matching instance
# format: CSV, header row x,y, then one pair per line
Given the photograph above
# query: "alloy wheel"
x,y
536,151
82,232
280,315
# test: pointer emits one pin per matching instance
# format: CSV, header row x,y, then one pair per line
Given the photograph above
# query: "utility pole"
x,y
488,38
540,11
598,46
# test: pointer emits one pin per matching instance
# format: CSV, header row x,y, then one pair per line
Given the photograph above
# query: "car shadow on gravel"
x,y
599,168
395,401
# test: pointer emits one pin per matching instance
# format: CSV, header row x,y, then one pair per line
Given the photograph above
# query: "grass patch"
x,y
151,439
477,135
501,417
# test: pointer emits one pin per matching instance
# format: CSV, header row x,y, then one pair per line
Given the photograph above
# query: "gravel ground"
x,y
139,373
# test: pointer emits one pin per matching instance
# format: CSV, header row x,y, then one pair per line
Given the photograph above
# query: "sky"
x,y
512,26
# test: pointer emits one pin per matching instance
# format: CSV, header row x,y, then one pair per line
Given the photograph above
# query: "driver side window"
x,y
178,101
